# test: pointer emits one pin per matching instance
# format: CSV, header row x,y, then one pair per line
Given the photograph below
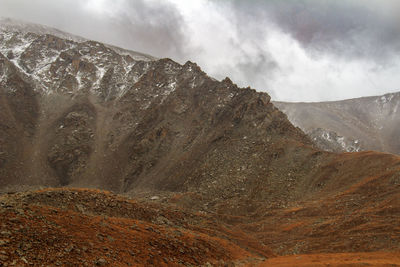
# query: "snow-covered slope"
x,y
13,25
57,61
367,123
331,141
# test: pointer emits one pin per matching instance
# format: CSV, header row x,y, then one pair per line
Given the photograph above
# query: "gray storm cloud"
x,y
152,27
348,28
296,50
156,28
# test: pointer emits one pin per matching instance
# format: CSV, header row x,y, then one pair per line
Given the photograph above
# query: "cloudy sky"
x,y
296,50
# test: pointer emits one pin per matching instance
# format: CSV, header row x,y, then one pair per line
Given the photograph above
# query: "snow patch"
x,y
341,142
146,105
396,108
100,72
384,99
79,80
171,87
3,78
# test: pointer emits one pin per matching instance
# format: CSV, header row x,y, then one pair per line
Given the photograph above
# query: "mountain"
x,y
203,163
81,114
367,123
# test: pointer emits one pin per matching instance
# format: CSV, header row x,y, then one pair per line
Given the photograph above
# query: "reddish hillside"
x,y
87,228
339,259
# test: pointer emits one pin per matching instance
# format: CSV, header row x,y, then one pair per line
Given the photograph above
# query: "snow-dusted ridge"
x,y
331,141
14,25
58,61
372,121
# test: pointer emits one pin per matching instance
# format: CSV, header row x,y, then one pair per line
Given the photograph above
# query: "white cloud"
x,y
97,6
304,77
296,72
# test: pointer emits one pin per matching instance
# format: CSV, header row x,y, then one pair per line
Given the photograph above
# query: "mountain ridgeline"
x,y
367,123
78,113
82,114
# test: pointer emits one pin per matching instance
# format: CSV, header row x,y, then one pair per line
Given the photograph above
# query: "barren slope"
x,y
91,228
367,123
88,116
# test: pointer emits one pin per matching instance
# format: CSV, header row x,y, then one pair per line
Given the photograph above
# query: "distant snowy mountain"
x,y
367,123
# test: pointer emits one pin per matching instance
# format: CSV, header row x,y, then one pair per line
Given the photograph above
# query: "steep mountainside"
x,y
367,123
244,182
79,113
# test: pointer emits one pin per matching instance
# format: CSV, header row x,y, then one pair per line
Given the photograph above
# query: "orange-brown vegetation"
x,y
87,228
338,259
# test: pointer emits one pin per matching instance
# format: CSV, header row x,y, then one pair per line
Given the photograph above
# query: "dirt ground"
x,y
339,259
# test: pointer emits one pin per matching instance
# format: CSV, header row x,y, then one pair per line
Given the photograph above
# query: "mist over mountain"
x,y
368,123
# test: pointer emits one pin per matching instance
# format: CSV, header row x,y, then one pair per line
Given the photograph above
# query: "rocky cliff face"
x,y
367,123
81,113
331,141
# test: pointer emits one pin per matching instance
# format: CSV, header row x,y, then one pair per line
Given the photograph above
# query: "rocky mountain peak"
x,y
125,122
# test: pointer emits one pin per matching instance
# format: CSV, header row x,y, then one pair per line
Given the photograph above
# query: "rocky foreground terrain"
x,y
367,123
202,172
92,228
